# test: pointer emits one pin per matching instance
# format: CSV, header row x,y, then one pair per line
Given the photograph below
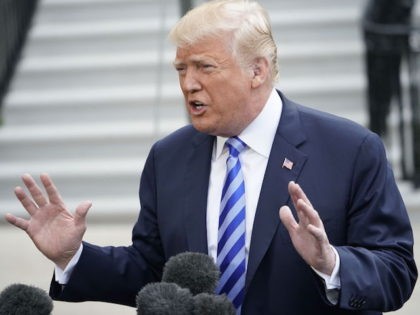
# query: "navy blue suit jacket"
x,y
343,169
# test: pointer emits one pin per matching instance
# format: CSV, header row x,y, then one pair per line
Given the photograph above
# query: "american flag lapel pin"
x,y
287,164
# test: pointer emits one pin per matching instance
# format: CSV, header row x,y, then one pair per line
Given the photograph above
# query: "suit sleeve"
x,y
116,274
377,270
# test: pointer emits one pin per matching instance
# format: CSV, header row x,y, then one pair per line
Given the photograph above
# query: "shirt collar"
x,y
259,134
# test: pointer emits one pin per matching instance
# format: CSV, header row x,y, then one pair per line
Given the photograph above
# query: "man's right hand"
x,y
55,231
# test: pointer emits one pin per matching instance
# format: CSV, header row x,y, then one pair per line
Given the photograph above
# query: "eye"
x,y
180,69
206,67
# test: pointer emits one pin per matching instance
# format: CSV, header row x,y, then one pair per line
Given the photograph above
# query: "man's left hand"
x,y
308,235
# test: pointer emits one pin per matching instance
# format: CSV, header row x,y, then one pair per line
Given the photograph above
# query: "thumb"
x,y
287,218
81,211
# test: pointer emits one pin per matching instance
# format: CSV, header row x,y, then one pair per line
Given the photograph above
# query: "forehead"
x,y
209,48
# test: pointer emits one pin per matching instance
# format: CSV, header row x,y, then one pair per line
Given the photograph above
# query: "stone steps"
x,y
96,88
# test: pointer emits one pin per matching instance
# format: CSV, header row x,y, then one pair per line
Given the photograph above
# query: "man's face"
x,y
216,89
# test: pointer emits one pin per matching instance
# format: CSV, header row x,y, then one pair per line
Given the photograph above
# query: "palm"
x,y
53,229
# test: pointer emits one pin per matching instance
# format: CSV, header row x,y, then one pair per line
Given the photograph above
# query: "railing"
x,y
15,20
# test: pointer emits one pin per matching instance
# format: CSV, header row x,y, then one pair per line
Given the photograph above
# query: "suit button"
x,y
357,301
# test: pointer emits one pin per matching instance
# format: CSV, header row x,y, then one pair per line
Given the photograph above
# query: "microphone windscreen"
x,y
194,271
21,299
162,298
210,304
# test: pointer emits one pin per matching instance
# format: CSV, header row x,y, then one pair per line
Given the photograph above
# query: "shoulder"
x,y
342,137
326,130
180,135
330,126
181,139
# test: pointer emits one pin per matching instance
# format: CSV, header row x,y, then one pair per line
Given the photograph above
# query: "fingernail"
x,y
26,176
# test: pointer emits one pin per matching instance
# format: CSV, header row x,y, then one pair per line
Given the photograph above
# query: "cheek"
x,y
181,86
228,114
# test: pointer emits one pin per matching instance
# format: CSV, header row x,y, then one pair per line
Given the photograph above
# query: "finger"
x,y
302,210
52,191
288,219
316,232
296,192
321,237
26,202
81,211
34,189
292,192
302,217
18,222
307,214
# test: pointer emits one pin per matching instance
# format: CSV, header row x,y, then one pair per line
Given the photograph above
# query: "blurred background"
x,y
86,86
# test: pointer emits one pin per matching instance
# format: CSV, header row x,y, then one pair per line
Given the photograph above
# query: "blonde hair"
x,y
247,21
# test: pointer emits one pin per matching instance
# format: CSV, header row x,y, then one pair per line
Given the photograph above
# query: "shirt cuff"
x,y
63,276
332,281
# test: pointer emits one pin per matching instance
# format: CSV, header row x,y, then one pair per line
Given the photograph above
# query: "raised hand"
x,y
308,235
55,231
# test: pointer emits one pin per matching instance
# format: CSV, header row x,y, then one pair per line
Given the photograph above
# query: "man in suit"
x,y
343,242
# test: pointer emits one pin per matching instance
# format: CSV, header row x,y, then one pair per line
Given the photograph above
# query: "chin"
x,y
211,129
201,128
204,128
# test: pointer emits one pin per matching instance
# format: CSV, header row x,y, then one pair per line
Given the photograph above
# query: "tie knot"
x,y
235,146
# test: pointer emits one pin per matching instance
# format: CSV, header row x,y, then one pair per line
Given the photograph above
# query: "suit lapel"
x,y
274,192
196,187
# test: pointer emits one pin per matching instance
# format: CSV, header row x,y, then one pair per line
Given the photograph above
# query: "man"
x,y
343,243
386,32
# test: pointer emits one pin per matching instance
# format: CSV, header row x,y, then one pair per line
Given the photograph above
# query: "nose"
x,y
190,82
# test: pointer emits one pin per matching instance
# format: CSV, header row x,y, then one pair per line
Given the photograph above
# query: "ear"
x,y
260,72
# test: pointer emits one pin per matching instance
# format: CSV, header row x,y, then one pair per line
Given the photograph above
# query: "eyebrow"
x,y
193,59
177,63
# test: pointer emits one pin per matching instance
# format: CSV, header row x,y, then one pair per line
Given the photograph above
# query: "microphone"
x,y
188,284
21,299
161,298
210,304
194,271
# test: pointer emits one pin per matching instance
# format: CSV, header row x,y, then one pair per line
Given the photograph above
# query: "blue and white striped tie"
x,y
231,240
